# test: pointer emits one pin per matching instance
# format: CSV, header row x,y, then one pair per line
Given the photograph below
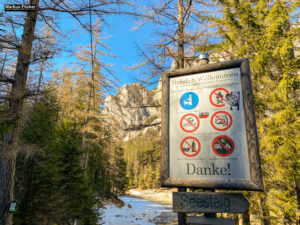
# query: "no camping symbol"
x,y
218,97
190,146
223,145
221,120
189,123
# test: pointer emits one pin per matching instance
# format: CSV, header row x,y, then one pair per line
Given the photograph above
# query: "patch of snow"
x,y
133,192
138,211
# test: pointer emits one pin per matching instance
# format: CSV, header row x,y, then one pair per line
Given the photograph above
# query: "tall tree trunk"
x,y
180,50
10,141
265,211
40,79
246,218
3,65
86,155
297,189
180,60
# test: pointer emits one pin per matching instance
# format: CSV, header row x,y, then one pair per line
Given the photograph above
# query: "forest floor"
x,y
162,195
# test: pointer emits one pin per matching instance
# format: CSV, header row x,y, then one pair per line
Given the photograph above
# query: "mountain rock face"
x,y
133,110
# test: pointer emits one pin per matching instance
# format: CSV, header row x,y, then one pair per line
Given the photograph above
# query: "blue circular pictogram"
x,y
189,100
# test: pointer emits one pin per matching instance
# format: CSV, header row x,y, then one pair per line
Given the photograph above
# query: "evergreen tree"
x,y
142,156
264,32
51,186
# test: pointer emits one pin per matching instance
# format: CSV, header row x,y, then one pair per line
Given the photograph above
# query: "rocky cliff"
x,y
133,110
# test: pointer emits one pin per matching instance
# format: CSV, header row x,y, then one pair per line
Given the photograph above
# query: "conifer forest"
x,y
63,156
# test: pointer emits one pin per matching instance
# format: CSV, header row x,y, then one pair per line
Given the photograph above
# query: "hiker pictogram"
x,y
189,100
190,146
223,146
189,123
221,120
218,97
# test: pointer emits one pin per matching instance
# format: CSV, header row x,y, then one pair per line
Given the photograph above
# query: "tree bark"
x,y
3,65
265,211
180,50
40,79
10,140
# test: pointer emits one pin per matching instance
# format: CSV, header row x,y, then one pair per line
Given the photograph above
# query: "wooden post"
x,y
181,216
210,215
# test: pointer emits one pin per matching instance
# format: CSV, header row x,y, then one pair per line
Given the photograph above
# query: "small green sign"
x,y
13,206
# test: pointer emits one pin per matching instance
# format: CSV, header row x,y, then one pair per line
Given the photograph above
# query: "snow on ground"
x,y
163,196
134,192
138,211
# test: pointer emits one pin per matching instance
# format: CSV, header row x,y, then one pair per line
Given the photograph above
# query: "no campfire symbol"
x,y
218,97
223,146
189,123
190,146
221,120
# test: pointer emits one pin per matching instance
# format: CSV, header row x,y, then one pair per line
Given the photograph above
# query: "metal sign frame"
x,y
255,182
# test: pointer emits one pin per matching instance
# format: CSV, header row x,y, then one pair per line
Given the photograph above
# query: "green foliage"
x,y
50,183
81,105
142,155
263,31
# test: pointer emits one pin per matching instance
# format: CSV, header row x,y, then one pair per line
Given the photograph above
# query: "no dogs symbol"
x,y
190,146
189,123
223,145
221,120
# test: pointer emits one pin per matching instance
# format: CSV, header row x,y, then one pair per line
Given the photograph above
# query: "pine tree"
x,y
51,186
263,31
142,156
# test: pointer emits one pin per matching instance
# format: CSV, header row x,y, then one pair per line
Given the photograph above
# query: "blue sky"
x,y
122,42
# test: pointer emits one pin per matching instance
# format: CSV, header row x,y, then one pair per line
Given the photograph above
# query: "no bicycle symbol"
x,y
190,146
221,120
223,145
189,123
218,97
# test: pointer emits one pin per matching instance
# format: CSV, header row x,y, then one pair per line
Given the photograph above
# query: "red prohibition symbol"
x,y
189,123
217,97
190,146
221,120
223,146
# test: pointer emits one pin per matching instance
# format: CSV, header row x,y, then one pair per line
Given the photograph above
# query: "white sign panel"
x,y
207,135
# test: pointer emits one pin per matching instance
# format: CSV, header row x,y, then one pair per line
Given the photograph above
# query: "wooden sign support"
x,y
181,215
196,220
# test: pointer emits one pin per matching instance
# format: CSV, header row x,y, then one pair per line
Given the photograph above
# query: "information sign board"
x,y
208,128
